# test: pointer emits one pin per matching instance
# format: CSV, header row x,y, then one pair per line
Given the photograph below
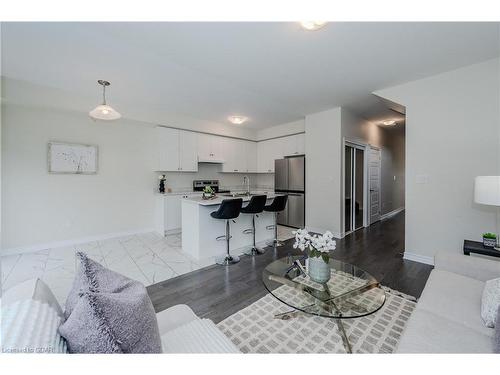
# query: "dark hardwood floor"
x,y
215,292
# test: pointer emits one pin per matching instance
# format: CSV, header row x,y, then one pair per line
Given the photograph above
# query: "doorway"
x,y
354,187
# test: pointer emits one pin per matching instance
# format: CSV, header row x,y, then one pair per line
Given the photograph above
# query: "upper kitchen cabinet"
x,y
267,152
210,148
188,145
278,148
176,150
293,145
251,154
235,156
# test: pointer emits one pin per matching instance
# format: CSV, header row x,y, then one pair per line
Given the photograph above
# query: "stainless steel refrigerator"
x,y
289,178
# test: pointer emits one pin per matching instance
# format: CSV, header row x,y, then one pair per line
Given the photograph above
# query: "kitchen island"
x,y
199,229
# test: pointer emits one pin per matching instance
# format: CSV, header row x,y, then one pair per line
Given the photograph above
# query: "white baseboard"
x,y
78,241
392,213
419,258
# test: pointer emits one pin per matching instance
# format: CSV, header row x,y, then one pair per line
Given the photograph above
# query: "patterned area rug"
x,y
255,330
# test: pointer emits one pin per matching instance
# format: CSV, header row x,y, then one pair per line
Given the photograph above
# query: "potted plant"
x,y
489,239
318,249
162,179
208,192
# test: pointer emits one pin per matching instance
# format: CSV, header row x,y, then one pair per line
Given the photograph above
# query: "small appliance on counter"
x,y
200,185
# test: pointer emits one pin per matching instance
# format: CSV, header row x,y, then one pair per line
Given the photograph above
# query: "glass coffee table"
x,y
350,293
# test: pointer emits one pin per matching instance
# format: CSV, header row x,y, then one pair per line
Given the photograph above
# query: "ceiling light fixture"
x,y
237,120
312,25
104,111
389,122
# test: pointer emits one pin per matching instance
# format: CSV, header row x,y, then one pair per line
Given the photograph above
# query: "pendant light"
x,y
104,111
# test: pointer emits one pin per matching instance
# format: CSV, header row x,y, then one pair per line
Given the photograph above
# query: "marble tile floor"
x,y
148,258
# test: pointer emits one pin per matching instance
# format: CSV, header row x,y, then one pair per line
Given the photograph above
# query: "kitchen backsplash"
x,y
183,181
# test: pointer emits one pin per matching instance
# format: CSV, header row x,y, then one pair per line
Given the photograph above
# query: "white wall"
x,y
323,170
41,208
452,126
281,130
392,144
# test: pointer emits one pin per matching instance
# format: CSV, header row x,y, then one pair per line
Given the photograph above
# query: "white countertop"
x,y
219,198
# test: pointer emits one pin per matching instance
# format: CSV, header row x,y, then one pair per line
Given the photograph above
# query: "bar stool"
x,y
254,207
228,210
277,205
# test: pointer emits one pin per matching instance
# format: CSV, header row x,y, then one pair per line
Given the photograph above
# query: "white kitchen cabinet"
x,y
301,143
235,156
292,145
173,213
188,157
266,153
168,149
210,148
176,150
251,155
168,218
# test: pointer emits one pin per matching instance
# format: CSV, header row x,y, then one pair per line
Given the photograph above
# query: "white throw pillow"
x,y
31,326
34,289
490,302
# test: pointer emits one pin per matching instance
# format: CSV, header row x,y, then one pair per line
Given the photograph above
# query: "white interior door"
x,y
374,166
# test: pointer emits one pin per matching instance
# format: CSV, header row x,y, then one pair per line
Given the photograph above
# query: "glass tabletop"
x,y
350,293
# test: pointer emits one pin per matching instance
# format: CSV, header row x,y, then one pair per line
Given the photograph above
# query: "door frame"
x,y
365,148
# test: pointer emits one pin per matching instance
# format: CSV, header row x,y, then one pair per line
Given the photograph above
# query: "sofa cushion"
x,y
92,276
30,326
174,317
109,313
456,298
113,323
490,302
197,336
427,332
496,345
33,289
88,330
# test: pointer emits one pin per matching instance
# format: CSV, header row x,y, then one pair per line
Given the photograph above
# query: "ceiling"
x,y
270,72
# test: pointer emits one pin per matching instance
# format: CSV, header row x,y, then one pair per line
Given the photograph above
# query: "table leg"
x,y
288,315
345,339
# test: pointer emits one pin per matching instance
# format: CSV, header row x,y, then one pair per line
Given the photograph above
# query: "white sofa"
x,y
180,329
447,318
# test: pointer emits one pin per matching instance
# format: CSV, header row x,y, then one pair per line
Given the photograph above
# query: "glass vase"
x,y
318,270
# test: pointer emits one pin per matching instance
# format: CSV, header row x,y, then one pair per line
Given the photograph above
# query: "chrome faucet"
x,y
246,180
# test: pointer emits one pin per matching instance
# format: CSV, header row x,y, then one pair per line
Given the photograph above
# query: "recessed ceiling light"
x,y
237,120
389,122
312,25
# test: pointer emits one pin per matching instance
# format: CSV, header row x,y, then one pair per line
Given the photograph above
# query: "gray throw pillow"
x,y
119,318
92,276
496,346
490,302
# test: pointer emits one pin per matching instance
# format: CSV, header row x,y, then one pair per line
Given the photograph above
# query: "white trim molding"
x,y
419,258
392,213
73,242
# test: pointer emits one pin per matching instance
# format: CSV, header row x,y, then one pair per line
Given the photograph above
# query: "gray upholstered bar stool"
x,y
228,210
277,205
254,207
